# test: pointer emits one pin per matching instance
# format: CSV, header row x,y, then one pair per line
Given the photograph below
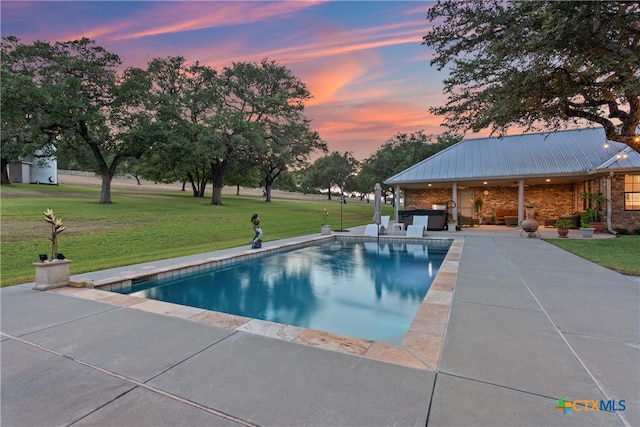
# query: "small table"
x,y
399,226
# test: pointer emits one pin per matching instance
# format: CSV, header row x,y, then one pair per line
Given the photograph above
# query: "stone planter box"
x,y
52,274
325,229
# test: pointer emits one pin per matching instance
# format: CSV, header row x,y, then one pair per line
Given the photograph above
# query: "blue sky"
x,y
363,61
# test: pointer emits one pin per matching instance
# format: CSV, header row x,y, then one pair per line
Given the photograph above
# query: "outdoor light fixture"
x,y
548,180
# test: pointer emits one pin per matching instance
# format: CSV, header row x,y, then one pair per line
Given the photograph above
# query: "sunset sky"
x,y
362,60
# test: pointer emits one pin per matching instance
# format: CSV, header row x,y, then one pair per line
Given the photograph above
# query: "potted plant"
x,y
477,203
587,232
54,272
563,226
326,228
452,225
596,201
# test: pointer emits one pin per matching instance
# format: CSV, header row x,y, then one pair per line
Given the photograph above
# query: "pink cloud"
x,y
176,17
360,99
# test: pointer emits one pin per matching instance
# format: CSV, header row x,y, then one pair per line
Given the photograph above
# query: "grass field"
x,y
621,254
144,225
147,223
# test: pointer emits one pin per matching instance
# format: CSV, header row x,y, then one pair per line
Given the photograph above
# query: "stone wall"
x,y
423,199
550,201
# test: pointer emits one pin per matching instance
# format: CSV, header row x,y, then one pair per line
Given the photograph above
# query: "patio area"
x,y
529,324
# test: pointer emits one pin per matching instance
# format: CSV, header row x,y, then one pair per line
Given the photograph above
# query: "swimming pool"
x,y
362,289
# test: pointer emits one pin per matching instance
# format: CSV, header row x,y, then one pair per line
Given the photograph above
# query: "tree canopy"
x,y
399,153
539,64
171,122
262,103
333,169
182,101
76,102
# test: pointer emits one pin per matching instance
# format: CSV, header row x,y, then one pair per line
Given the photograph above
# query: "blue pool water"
x,y
360,289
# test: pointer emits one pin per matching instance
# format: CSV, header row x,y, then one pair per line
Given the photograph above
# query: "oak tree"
x,y
539,65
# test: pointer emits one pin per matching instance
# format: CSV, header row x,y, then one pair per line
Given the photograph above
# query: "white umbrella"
x,y
377,205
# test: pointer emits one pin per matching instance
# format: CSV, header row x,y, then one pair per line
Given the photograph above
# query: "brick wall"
x,y
619,217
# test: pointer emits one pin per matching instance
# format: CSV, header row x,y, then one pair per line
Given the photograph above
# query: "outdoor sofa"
x,y
501,213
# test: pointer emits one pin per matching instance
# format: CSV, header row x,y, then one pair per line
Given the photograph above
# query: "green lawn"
x,y
144,225
621,254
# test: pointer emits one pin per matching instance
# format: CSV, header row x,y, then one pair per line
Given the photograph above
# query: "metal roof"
x,y
563,153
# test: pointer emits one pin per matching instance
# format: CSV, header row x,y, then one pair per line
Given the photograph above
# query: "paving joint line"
x,y
433,392
565,340
103,405
498,305
634,343
498,385
190,357
108,309
137,383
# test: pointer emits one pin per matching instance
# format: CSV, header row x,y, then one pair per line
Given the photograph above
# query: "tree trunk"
x,y
329,193
267,192
105,193
198,185
218,170
194,188
237,189
216,196
5,172
268,184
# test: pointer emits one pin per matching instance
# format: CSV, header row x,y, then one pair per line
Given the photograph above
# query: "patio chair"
x,y
420,223
384,225
371,230
374,229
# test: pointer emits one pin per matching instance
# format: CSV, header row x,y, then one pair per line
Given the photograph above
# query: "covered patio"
x,y
492,180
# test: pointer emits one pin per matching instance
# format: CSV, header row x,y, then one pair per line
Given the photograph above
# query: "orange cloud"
x,y
363,127
361,98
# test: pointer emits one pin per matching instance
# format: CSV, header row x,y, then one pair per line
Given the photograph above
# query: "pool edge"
x,y
420,348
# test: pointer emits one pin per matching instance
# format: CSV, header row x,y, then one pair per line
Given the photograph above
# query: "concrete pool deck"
x,y
529,324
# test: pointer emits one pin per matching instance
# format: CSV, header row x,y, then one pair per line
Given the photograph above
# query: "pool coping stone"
x,y
420,348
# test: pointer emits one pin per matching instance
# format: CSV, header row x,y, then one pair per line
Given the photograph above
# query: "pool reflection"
x,y
369,290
